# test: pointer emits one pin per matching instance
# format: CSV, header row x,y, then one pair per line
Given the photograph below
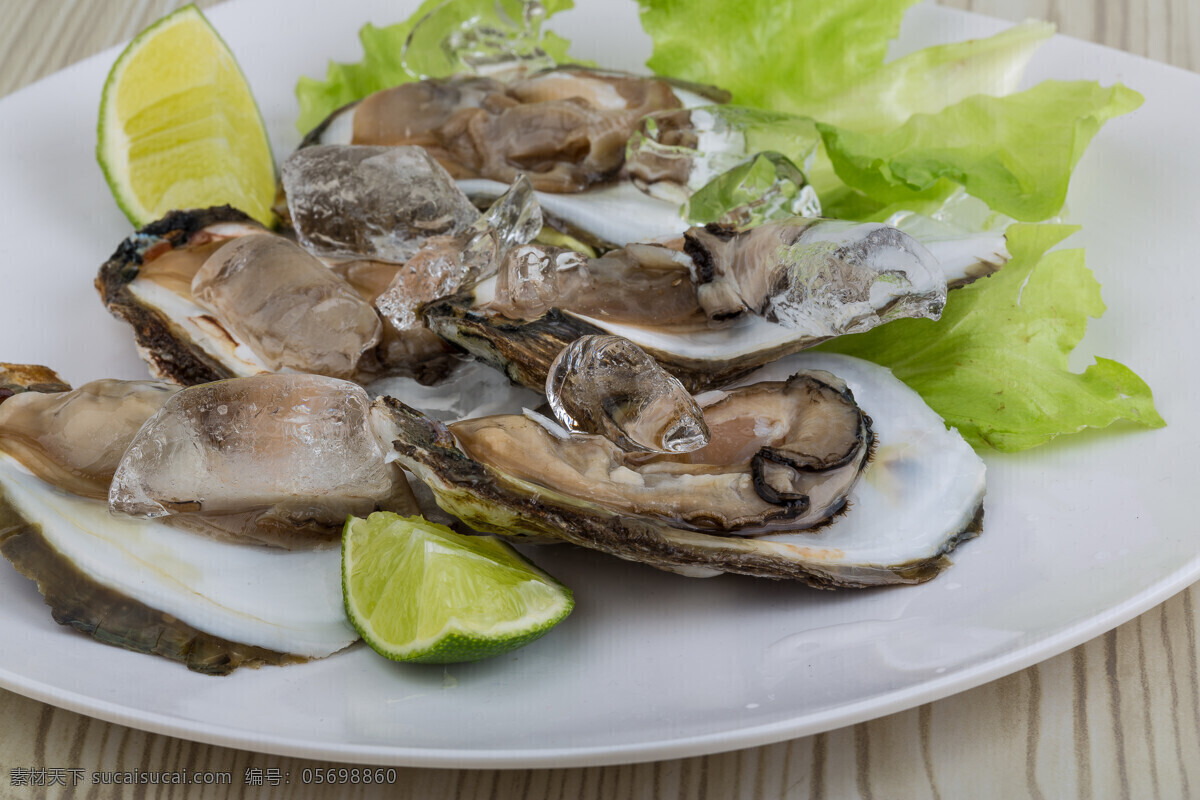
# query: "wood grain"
x,y
1164,30
1118,717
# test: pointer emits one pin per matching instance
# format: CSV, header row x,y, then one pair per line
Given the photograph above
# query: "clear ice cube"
x,y
821,277
458,37
529,283
377,202
766,186
301,445
446,265
674,154
515,217
287,306
607,385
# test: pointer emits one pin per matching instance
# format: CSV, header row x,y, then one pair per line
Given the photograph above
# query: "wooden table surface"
x,y
1116,717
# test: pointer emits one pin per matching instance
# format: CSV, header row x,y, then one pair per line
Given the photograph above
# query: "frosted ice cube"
x,y
302,445
380,202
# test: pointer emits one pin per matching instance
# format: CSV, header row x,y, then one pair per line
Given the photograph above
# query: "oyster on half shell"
x,y
147,283
210,603
150,281
919,496
727,302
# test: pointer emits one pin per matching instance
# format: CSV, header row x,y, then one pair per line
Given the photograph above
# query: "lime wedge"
x,y
418,591
179,128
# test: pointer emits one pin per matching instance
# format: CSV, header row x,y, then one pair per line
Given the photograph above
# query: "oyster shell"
x,y
142,585
919,497
18,378
209,603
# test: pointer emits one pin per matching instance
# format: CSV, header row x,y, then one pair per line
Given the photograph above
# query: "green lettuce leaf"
x,y
995,365
825,58
382,67
769,54
932,78
1016,152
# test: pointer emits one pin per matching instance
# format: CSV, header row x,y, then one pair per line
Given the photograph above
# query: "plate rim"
x,y
874,707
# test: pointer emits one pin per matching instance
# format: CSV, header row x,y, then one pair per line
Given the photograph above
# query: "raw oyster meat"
x,y
74,439
919,496
564,128
819,277
782,454
639,284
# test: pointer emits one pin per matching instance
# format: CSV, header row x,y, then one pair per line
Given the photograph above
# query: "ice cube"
x,y
450,40
764,187
675,153
821,277
446,265
300,445
529,282
515,216
287,306
379,202
607,385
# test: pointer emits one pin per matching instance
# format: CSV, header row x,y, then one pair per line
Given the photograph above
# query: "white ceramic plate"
x,y
1080,535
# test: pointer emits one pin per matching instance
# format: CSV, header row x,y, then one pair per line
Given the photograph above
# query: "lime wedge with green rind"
x,y
179,127
418,591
